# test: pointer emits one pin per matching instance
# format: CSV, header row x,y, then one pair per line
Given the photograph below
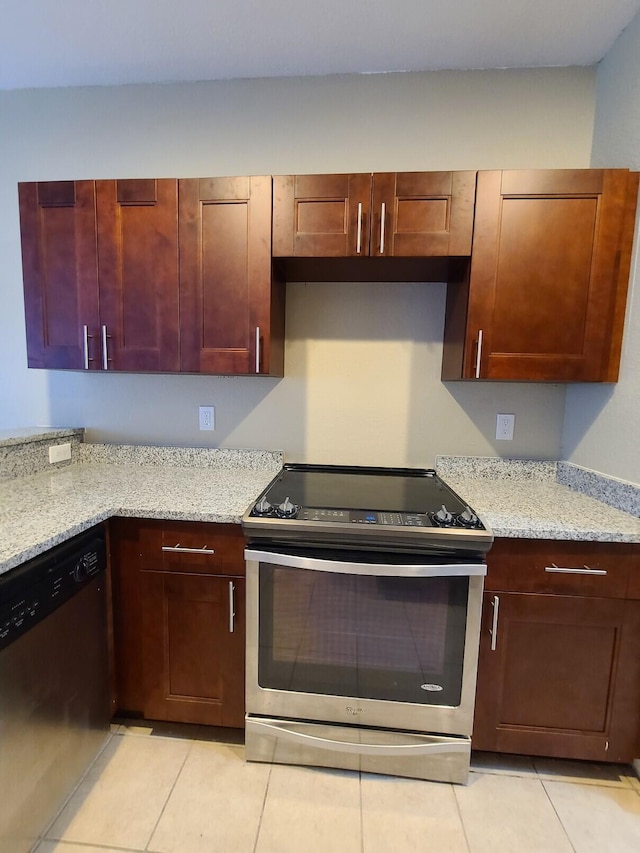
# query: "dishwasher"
x,y
54,682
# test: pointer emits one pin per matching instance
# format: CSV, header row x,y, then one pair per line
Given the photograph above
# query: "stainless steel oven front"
x,y
363,660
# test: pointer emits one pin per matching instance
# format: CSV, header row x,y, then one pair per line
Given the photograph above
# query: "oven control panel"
x,y
345,516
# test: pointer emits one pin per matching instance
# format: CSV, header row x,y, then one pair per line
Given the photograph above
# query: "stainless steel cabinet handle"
x,y
105,354
479,354
585,570
257,349
232,606
494,623
180,549
359,235
85,343
383,216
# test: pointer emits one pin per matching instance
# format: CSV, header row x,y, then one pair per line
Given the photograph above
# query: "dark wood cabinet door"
x,y
193,648
232,313
422,214
557,676
549,274
178,653
58,227
138,274
321,216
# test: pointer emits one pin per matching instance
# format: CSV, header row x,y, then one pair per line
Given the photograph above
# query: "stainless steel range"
x,y
364,595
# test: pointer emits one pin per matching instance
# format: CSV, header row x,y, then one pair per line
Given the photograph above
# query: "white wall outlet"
x,y
207,417
504,427
60,452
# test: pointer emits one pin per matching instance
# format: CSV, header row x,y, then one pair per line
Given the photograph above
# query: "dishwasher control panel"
x,y
31,591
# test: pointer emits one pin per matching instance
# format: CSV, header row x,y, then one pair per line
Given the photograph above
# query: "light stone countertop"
x,y
525,500
41,510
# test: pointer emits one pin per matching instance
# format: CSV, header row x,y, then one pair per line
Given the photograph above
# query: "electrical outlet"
x,y
504,427
207,417
60,452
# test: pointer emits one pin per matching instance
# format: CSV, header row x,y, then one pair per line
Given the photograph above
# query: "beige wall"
x,y
602,424
363,361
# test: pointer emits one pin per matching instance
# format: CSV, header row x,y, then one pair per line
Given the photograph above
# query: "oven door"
x,y
363,639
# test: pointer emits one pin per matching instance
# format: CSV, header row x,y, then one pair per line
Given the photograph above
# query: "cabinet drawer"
x,y
599,569
192,547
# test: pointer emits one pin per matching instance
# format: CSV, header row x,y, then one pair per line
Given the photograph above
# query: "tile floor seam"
x,y
264,800
459,810
147,849
361,812
557,814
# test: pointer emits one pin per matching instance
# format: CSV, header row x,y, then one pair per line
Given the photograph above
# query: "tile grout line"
x,y
564,829
264,801
361,812
464,828
175,782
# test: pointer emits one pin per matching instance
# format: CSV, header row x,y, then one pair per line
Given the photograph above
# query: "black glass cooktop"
x,y
352,488
343,506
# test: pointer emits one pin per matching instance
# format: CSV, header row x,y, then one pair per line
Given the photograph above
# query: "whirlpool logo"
x,y
354,712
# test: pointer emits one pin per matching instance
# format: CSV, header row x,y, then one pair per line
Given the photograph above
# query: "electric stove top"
x,y
360,507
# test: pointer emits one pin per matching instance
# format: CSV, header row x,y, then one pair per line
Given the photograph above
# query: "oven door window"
x,y
393,638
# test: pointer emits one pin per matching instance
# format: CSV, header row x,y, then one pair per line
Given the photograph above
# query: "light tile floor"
x,y
184,791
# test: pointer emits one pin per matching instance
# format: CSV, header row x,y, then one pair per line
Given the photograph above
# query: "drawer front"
x,y
192,547
599,569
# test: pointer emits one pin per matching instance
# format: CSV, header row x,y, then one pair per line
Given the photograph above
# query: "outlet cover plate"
x,y
60,452
504,427
207,418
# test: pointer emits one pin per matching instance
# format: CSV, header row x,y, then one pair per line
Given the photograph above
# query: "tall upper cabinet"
x,y
545,295
100,267
231,310
396,214
60,272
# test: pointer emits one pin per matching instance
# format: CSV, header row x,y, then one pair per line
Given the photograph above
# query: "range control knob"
x,y
287,509
443,516
468,518
263,507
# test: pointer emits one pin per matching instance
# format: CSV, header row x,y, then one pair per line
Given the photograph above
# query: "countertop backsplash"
x,y
26,451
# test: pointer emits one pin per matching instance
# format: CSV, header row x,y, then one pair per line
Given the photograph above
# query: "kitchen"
x,y
345,366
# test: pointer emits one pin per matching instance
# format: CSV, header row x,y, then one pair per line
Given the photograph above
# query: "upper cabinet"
x,y
403,214
151,275
100,267
138,274
231,311
188,275
545,296
60,272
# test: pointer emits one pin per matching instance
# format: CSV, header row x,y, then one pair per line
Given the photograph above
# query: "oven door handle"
x,y
286,732
344,567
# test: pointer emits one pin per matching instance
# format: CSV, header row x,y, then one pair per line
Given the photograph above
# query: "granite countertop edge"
x,y
41,510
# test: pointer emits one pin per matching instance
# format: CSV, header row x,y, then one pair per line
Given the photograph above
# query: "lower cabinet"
x,y
179,621
559,669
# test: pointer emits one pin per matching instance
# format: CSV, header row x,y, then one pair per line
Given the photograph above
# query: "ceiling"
x,y
104,42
